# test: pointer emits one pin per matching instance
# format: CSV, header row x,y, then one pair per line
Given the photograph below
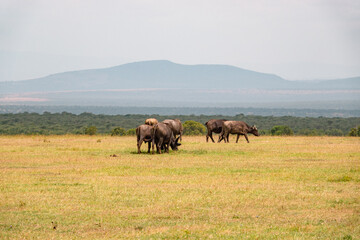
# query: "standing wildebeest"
x,y
163,137
175,125
143,134
236,127
151,121
213,125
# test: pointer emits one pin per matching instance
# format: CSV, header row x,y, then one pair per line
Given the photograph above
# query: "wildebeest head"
x,y
174,144
254,131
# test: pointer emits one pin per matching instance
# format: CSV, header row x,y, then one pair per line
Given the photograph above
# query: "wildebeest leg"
x,y
227,137
221,137
158,148
139,144
211,137
149,146
237,138
167,147
246,137
161,140
153,143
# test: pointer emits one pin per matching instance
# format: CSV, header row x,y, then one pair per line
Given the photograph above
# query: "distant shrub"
x,y
334,132
193,128
131,132
118,131
281,130
78,131
311,132
263,132
355,132
91,130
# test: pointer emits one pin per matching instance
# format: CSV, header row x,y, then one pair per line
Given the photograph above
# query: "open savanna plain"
x,y
98,187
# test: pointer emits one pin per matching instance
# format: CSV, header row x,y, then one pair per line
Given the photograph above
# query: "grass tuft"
x,y
341,179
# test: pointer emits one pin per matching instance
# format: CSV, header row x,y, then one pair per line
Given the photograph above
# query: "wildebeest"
x,y
163,137
143,134
213,125
176,126
236,127
151,121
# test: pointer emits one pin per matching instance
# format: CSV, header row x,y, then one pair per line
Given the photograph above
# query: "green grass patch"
x,y
341,179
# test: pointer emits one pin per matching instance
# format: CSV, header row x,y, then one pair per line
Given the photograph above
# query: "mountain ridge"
x,y
171,84
163,73
167,74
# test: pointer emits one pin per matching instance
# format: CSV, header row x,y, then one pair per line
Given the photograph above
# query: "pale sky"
x,y
304,39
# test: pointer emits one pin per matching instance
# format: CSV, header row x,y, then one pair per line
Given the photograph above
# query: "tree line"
x,y
88,123
346,110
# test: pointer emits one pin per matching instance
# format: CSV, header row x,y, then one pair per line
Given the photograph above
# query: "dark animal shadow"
x,y
142,153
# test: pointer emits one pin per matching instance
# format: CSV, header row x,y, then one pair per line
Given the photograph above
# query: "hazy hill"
x,y
344,83
164,83
151,74
166,74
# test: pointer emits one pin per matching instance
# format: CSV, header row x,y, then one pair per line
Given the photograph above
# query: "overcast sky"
x,y
304,39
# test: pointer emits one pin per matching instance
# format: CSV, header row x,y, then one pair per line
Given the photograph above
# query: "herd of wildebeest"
x,y
164,134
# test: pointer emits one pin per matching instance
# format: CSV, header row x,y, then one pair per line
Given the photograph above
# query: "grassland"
x,y
72,187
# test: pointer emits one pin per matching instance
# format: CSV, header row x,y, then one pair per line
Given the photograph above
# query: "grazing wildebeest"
x,y
213,125
237,127
143,134
151,121
163,137
175,125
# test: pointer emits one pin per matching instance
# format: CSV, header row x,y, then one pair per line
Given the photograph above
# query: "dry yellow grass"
x,y
272,188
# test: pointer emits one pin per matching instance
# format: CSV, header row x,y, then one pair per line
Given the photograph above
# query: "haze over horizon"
x,y
296,40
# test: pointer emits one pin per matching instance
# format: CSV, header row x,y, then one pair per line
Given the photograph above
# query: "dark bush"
x,y
311,132
281,130
131,132
193,128
355,132
118,131
91,130
334,132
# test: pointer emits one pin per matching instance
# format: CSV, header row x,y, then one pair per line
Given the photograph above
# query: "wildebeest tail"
x,y
153,130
